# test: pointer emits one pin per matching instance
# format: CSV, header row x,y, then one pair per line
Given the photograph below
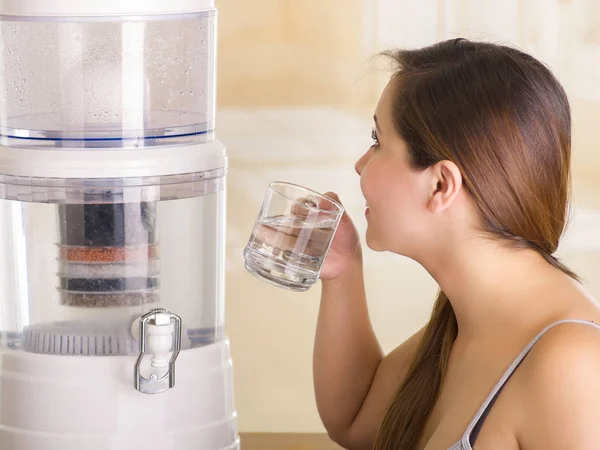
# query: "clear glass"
x,y
75,274
120,82
292,235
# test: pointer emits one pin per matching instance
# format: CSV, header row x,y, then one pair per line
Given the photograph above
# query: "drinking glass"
x,y
291,236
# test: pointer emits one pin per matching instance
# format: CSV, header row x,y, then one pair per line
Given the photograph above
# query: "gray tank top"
x,y
470,436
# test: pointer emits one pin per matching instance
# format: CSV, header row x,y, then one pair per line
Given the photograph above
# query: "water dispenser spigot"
x,y
159,331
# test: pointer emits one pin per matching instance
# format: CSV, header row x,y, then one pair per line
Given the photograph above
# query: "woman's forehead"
x,y
383,111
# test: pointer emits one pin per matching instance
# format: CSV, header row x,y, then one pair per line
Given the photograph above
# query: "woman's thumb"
x,y
336,198
333,196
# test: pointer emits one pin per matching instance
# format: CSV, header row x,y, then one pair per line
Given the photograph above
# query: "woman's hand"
x,y
345,250
287,236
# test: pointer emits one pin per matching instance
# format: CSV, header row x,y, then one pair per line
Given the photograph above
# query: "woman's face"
x,y
396,195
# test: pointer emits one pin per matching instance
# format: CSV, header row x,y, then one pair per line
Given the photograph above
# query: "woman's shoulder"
x,y
560,393
567,342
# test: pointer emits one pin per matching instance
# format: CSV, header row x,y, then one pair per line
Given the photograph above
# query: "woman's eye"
x,y
374,137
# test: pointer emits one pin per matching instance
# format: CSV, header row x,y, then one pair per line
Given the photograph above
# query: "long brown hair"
x,y
504,120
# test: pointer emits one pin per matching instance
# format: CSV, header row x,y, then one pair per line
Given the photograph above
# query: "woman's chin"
x,y
373,242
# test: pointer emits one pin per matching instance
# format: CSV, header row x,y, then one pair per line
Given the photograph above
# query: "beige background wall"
x,y
295,94
290,52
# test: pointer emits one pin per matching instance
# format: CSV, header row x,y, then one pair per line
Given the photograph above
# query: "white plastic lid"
x,y
98,8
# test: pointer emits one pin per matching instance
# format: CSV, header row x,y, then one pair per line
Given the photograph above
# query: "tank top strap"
x,y
474,427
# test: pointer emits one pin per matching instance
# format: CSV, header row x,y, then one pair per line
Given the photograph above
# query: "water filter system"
x,y
112,228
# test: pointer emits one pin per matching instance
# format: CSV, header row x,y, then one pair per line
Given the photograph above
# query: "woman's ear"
x,y
446,183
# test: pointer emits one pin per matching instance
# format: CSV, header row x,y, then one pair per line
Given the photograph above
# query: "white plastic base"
x,y
52,402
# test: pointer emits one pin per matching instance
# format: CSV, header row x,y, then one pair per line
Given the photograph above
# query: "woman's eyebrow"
x,y
376,123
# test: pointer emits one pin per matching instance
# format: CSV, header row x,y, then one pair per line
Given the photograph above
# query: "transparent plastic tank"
x,y
107,81
81,259
77,269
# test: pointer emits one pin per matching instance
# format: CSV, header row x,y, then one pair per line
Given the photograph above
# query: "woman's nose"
x,y
362,162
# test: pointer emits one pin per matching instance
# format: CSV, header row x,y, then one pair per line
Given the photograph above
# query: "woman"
x,y
469,176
